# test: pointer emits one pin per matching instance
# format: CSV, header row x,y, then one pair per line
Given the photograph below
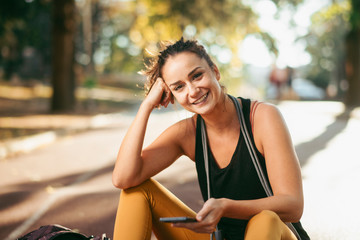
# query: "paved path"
x,y
69,182
327,142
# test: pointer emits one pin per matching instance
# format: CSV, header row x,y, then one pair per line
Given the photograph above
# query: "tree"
x,y
337,48
353,56
25,38
63,33
135,28
336,52
24,26
326,44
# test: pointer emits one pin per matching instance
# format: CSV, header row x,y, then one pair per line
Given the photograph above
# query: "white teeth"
x,y
201,99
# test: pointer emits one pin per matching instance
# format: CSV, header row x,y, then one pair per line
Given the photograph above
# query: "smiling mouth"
x,y
200,100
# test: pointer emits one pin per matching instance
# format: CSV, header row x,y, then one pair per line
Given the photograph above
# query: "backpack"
x,y
58,232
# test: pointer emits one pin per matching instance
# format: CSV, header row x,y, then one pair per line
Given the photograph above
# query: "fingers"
x,y
161,94
166,96
206,209
207,218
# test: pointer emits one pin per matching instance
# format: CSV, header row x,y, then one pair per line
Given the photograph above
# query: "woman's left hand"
x,y
207,218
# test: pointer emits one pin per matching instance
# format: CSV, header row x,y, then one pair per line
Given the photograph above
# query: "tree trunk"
x,y
353,56
353,68
63,32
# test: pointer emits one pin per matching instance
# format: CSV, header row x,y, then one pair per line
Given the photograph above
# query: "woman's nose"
x,y
193,90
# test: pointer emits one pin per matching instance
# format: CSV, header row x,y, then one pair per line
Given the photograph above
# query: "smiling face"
x,y
193,82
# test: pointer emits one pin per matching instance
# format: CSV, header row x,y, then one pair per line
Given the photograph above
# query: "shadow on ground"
x,y
307,149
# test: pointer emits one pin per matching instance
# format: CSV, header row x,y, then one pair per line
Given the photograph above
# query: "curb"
x,y
28,143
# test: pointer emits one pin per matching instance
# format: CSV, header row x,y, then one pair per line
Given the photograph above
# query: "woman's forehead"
x,y
182,63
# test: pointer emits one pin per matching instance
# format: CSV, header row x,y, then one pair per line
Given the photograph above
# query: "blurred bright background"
x,y
64,51
71,66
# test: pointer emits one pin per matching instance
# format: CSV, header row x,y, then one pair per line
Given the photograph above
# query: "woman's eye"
x,y
178,87
197,75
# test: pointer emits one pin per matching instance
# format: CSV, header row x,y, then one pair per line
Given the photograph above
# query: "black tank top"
x,y
237,181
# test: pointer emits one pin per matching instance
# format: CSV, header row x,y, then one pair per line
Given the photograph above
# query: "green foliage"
x,y
139,26
319,77
355,14
281,3
325,43
90,82
24,24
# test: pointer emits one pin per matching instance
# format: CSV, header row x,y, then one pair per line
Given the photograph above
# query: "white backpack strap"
x,y
206,158
217,233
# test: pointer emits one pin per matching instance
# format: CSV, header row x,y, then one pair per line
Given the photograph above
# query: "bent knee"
x,y
265,218
263,225
144,188
141,185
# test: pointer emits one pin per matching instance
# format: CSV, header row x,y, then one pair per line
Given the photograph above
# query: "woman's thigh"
x,y
141,207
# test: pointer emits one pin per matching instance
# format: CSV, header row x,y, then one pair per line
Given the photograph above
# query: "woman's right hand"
x,y
207,218
159,95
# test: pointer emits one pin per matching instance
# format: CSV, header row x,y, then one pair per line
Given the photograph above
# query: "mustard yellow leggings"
x,y
141,207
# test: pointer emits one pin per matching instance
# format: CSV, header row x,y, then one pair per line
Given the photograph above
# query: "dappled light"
x,y
71,83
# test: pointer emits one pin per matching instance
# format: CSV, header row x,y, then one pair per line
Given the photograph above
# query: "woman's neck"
x,y
223,117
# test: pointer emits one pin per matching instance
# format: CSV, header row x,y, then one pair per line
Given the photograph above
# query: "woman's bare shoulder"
x,y
180,131
184,127
265,110
184,133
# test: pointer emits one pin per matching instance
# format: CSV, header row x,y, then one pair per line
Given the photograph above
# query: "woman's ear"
x,y
216,71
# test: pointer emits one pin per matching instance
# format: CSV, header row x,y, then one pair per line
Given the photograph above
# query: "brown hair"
x,y
153,69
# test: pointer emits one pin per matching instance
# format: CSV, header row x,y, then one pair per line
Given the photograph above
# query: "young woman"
x,y
238,206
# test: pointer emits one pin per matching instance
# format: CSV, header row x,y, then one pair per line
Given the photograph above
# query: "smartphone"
x,y
177,219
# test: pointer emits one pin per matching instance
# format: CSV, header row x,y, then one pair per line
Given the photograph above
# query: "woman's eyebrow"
x,y
190,73
175,83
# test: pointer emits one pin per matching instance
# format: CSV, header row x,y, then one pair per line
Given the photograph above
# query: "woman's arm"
x,y
133,165
273,140
282,163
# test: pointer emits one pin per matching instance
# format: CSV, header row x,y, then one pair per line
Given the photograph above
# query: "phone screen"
x,y
177,219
